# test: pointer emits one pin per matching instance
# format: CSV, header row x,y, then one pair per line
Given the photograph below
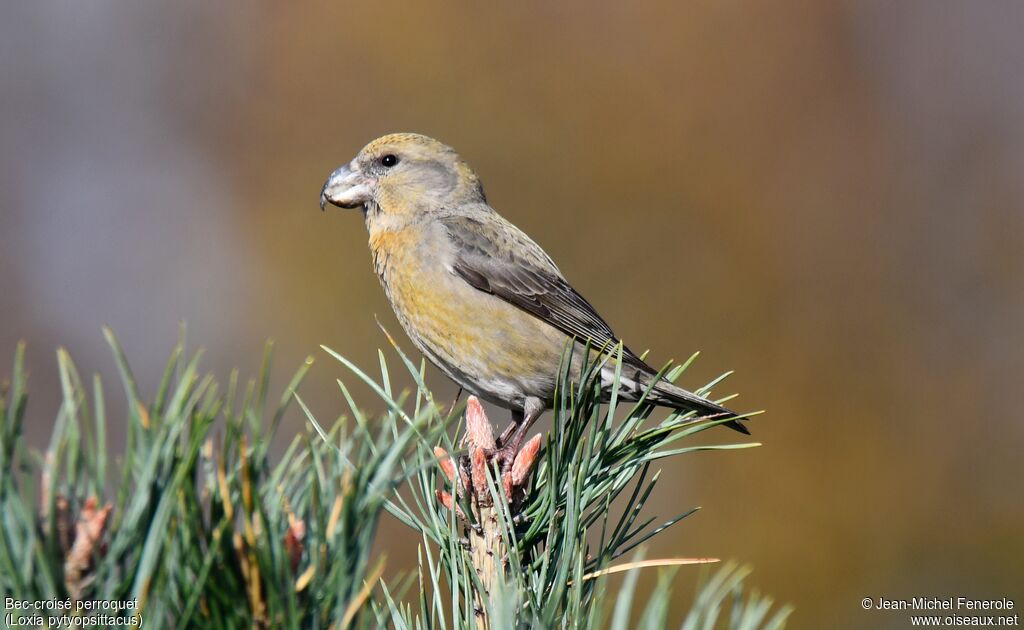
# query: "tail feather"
x,y
635,380
665,393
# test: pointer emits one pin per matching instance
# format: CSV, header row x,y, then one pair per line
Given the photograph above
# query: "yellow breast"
x,y
468,333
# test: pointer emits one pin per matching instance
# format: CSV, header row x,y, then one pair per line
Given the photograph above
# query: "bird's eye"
x,y
389,160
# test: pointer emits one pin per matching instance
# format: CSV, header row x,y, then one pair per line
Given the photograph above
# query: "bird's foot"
x,y
505,456
509,444
477,469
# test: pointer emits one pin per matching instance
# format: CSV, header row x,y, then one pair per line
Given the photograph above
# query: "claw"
x,y
475,468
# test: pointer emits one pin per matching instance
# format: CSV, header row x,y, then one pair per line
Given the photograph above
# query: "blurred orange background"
x,y
824,196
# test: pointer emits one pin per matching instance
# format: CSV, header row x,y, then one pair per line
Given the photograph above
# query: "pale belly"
x,y
486,345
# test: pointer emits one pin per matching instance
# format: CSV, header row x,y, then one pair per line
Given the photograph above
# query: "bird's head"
x,y
402,173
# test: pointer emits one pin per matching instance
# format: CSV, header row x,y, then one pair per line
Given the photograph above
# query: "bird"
x,y
476,295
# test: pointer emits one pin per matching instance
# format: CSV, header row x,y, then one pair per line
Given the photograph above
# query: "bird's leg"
x,y
513,436
506,435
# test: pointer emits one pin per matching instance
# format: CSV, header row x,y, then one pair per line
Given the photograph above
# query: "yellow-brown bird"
x,y
474,293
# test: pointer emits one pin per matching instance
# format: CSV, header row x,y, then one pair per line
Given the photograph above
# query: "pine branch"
x,y
195,524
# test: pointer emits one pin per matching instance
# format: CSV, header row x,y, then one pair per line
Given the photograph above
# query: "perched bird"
x,y
474,293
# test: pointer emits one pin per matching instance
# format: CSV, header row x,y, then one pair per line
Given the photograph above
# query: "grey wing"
x,y
496,257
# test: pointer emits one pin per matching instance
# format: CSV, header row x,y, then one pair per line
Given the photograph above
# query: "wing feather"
x,y
496,257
